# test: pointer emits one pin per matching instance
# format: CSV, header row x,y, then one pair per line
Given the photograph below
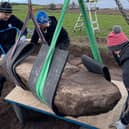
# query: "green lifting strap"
x,y
40,83
90,33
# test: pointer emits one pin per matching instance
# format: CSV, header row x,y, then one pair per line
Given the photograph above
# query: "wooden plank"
x,y
102,121
121,103
24,97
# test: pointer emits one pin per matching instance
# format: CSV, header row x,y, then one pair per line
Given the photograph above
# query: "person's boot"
x,y
2,80
119,125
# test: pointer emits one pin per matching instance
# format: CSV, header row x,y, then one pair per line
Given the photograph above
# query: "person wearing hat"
x,y
118,44
8,23
48,25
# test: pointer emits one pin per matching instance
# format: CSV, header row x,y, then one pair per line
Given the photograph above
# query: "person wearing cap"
x,y
8,23
118,44
48,25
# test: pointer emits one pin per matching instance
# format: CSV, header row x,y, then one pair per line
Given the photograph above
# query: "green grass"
x,y
105,21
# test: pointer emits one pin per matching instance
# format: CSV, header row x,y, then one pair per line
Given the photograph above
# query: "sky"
x,y
101,3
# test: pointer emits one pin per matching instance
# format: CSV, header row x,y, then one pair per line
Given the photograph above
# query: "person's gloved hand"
x,y
23,38
2,56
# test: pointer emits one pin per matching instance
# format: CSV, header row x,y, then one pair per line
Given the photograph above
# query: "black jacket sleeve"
x,y
35,37
16,22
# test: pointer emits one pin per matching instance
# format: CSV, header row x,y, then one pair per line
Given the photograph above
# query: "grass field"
x,y
106,21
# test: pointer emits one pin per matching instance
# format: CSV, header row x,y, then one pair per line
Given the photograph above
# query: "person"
x,y
118,44
9,25
48,25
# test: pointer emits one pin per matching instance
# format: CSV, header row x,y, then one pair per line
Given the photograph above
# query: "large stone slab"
x,y
80,92
101,121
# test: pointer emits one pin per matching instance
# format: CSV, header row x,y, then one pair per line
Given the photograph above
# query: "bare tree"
x,y
52,6
73,5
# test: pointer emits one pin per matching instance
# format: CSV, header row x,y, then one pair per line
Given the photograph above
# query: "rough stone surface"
x,y
79,92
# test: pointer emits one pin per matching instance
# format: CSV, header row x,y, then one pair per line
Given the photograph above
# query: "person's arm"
x,y
35,37
16,22
63,40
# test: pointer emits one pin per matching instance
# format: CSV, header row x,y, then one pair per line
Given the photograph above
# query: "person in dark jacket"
x,y
9,26
48,26
118,44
